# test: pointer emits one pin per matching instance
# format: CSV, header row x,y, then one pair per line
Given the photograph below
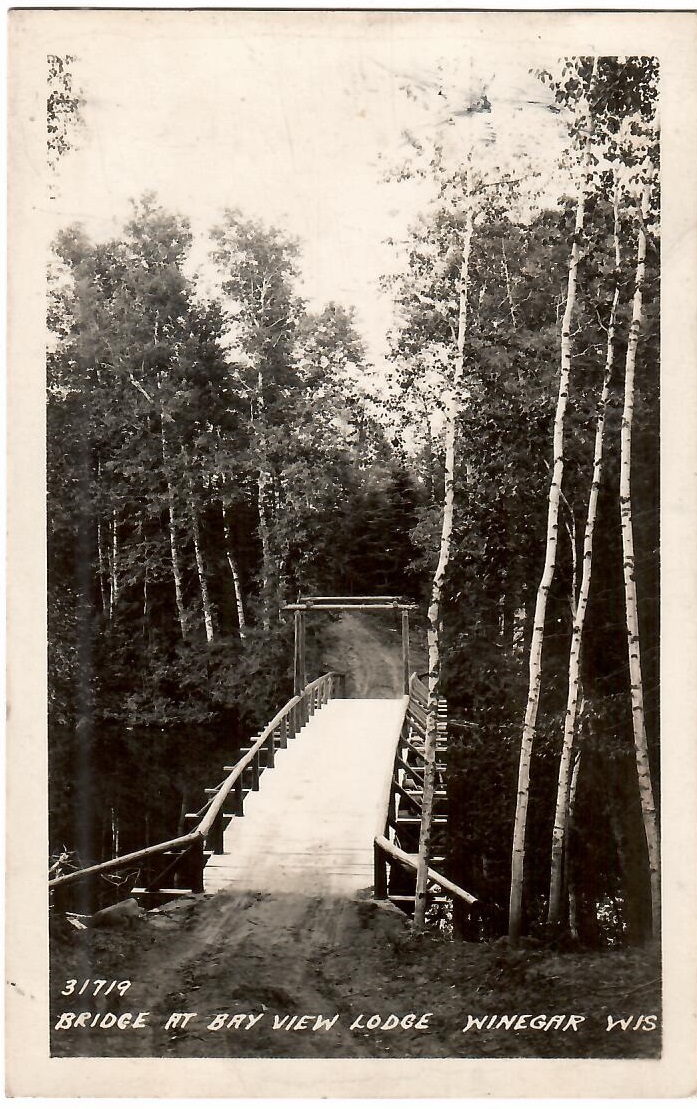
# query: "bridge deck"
x,y
310,827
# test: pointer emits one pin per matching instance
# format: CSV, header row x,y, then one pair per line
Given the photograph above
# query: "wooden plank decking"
x,y
310,828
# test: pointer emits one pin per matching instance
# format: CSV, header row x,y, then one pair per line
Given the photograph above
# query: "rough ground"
x,y
285,955
255,954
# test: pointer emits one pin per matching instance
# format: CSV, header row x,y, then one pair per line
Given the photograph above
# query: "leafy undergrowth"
x,y
244,964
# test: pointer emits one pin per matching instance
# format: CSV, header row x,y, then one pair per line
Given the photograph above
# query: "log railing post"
x,y
379,873
405,648
299,657
196,861
392,809
238,797
215,836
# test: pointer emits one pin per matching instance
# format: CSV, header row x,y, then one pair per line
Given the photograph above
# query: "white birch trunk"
x,y
234,571
101,560
115,844
561,816
266,557
263,477
648,808
572,896
201,568
104,592
113,557
536,644
434,610
173,545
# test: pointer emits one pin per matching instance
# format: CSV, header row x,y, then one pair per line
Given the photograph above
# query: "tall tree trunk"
x,y
113,557
434,610
509,291
114,833
102,571
146,591
101,558
234,571
648,808
430,490
282,553
561,815
200,564
173,543
570,870
536,644
263,484
267,568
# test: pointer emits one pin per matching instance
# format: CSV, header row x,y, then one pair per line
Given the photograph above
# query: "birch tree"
x,y
648,807
569,765
537,641
457,183
460,139
258,269
452,407
623,129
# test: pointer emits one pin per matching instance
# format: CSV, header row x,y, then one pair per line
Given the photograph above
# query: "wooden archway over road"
x,y
344,604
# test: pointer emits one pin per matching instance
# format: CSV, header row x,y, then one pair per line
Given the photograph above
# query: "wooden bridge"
x,y
326,799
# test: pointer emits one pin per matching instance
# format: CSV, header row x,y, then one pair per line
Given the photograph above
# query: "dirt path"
x,y
229,954
367,647
245,964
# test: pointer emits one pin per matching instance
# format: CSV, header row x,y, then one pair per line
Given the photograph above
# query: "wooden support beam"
x,y
411,770
395,606
238,795
196,861
215,837
405,648
299,657
345,599
411,798
409,861
379,873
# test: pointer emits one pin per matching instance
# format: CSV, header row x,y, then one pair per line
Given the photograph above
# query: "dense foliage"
x,y
516,288
203,460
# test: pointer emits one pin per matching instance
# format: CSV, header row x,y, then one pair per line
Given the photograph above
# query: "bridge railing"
x,y
387,850
185,855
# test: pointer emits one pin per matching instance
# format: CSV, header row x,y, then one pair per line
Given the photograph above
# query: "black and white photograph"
x,y
352,590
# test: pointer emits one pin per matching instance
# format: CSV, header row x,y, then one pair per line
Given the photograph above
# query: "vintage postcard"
x,y
352,591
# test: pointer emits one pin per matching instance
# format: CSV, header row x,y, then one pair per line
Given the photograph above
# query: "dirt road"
x,y
367,647
352,978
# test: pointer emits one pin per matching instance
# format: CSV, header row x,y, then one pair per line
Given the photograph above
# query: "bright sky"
x,y
295,127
